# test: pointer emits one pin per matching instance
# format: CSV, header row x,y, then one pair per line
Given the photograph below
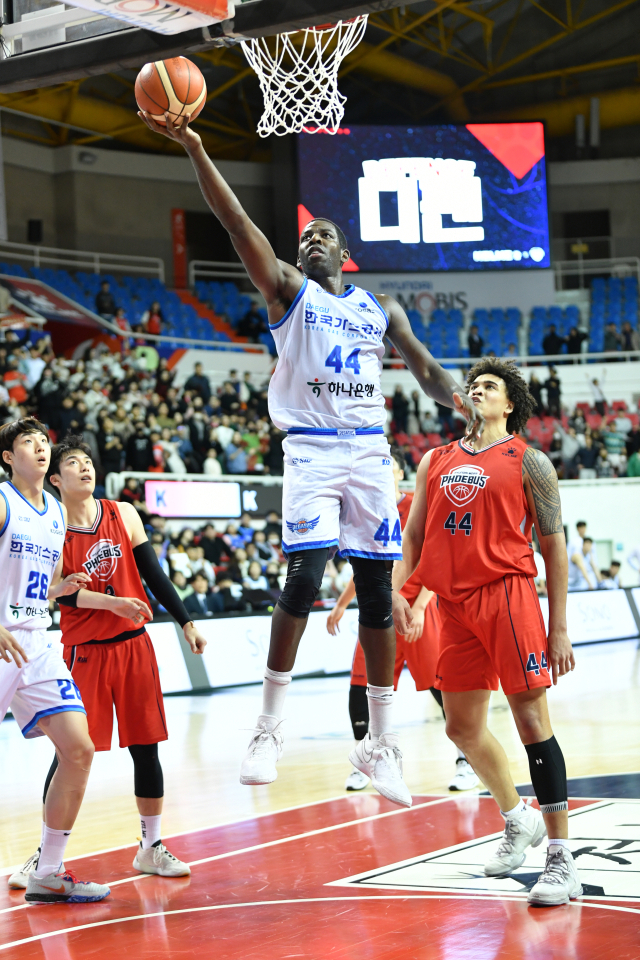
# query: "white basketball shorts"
x,y
39,688
338,492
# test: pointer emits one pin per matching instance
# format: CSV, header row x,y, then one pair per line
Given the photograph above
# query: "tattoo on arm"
x,y
543,481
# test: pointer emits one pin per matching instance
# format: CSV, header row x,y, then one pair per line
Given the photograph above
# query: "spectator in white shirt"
x,y
211,465
255,580
611,577
599,399
575,546
580,576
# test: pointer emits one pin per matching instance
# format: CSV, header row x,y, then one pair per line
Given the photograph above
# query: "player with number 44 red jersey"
x,y
469,535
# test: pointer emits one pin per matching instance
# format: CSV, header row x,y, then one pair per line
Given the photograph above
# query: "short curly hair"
x,y
517,389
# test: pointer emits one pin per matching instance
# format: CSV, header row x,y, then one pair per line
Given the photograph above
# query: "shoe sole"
x,y
388,796
17,886
158,873
355,789
254,782
554,903
55,898
454,789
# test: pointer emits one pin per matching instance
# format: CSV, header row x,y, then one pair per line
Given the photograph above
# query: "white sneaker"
x,y
63,888
19,879
357,780
559,881
381,761
157,859
265,749
465,778
525,830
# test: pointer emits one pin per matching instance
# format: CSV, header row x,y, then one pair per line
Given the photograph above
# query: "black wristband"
x,y
159,583
71,600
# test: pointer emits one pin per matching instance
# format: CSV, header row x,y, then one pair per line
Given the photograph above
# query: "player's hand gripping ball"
x,y
173,86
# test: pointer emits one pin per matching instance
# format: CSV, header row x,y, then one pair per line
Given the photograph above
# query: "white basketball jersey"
x,y
330,351
30,546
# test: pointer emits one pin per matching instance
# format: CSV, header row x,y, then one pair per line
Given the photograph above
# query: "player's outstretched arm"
x,y
342,603
412,541
543,496
156,579
434,380
278,282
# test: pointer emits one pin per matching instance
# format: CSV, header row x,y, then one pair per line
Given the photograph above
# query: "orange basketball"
x,y
173,86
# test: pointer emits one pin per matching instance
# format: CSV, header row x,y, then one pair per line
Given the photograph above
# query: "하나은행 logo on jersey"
x,y
102,559
462,484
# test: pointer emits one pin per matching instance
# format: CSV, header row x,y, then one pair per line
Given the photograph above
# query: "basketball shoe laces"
x,y
556,868
511,831
391,754
263,740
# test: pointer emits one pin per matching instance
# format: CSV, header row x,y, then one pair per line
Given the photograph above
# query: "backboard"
x,y
46,43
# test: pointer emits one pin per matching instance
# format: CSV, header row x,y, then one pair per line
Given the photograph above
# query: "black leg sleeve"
x,y
147,772
359,711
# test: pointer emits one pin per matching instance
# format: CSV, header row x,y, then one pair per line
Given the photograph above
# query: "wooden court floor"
x,y
302,869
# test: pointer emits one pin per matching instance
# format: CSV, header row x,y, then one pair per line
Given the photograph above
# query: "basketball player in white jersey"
x,y
338,489
34,679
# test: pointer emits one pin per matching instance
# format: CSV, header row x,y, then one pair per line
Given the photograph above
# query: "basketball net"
x,y
299,77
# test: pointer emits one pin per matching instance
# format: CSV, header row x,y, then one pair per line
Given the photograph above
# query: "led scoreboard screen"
x,y
447,197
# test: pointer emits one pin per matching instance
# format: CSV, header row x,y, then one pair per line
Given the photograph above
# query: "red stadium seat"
x,y
594,420
619,405
584,407
419,440
401,439
434,440
635,419
416,454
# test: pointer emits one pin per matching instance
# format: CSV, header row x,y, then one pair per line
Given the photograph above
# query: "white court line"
x,y
273,843
7,871
278,903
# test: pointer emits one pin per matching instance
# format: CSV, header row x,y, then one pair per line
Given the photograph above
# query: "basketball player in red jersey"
x,y
469,535
418,649
108,651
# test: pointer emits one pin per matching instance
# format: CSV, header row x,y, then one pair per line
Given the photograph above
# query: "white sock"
x,y
42,829
54,843
560,843
150,827
380,707
517,811
461,755
274,690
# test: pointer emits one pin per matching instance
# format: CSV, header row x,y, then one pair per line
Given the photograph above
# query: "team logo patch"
x,y
303,526
462,483
102,559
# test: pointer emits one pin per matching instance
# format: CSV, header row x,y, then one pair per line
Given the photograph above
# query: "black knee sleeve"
x,y
373,590
359,711
548,775
437,696
47,783
304,576
148,780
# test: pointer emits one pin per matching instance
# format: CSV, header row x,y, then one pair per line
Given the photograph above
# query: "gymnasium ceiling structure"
x,y
427,62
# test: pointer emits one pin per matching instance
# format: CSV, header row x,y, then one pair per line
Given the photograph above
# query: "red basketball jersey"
x,y
413,586
103,551
478,522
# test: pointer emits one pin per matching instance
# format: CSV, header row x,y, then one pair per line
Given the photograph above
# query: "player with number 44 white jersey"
x,y
338,483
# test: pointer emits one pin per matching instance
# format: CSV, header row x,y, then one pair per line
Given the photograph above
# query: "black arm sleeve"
x,y
71,600
159,583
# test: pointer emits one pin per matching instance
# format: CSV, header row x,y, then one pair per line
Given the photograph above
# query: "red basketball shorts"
x,y
496,634
421,657
124,674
